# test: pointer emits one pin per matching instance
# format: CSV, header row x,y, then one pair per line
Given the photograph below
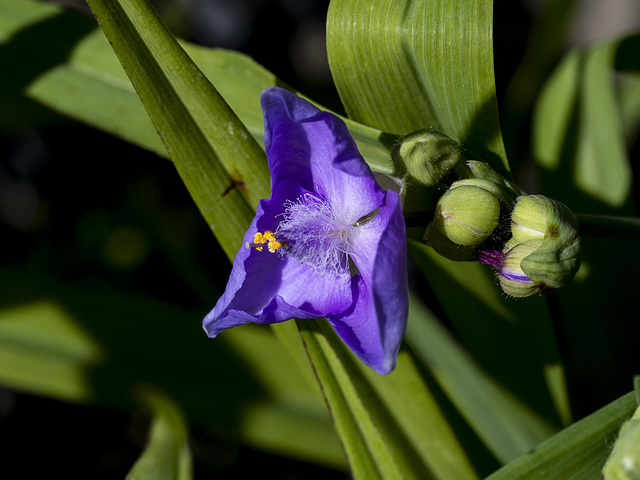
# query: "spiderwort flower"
x,y
329,242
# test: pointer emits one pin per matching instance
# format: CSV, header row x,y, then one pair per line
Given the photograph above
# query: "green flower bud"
x,y
467,215
488,185
543,252
474,169
445,247
557,259
425,156
529,219
513,280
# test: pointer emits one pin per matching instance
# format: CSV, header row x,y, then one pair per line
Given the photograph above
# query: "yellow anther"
x,y
274,245
268,238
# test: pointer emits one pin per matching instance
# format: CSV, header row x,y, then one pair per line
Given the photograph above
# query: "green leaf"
x,y
420,64
16,14
507,426
576,453
44,351
94,346
82,78
624,461
578,132
580,143
167,455
493,328
430,64
629,104
391,426
546,41
210,147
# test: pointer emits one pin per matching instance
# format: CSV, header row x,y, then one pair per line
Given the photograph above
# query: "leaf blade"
x,y
577,124
421,64
577,452
383,421
167,455
507,426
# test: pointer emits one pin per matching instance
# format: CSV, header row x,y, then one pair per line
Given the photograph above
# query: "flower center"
x,y
313,234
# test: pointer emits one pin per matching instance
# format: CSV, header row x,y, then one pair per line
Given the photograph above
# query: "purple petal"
x,y
375,326
515,277
315,149
267,287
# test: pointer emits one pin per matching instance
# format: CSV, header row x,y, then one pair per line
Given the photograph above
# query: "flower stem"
x,y
608,226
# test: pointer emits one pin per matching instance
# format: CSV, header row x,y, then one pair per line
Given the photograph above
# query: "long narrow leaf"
x,y
86,82
506,425
167,455
578,128
390,427
94,345
211,148
430,64
420,64
577,453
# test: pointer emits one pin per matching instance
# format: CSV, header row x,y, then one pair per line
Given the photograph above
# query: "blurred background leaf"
x,y
578,127
505,424
166,456
582,141
82,78
95,345
494,329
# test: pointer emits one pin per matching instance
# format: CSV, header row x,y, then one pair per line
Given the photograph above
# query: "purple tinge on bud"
x,y
513,280
490,257
335,240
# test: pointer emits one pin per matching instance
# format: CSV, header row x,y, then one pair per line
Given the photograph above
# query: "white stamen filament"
x,y
315,236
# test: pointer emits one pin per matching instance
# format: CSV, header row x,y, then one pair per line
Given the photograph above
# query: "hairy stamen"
x,y
315,237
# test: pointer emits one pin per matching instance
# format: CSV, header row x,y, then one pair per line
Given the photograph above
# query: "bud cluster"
x,y
544,250
531,240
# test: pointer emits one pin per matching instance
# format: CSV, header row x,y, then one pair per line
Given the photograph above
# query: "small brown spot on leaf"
x,y
235,183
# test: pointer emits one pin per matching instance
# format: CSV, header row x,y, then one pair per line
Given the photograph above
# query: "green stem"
x,y
609,226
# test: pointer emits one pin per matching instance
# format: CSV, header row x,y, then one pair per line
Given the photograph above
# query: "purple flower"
x,y
328,243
